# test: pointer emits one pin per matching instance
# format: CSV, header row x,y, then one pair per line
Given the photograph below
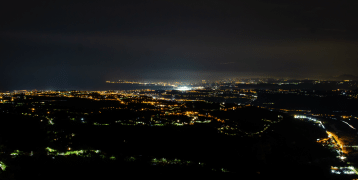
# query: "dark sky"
x,y
74,45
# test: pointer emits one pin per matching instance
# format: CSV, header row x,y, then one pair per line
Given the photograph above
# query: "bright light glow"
x,y
300,116
2,166
184,88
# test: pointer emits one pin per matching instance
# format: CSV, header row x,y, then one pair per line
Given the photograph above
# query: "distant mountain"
x,y
345,77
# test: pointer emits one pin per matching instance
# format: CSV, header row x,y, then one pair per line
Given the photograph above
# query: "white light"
x,y
185,88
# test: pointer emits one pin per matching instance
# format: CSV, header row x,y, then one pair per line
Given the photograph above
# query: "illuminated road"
x,y
336,139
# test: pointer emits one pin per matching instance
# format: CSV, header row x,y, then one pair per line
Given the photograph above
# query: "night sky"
x,y
79,45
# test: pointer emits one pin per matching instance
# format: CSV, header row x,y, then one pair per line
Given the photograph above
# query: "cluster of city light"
x,y
309,118
176,161
80,152
173,84
336,139
2,166
69,152
300,116
250,133
16,153
344,170
183,88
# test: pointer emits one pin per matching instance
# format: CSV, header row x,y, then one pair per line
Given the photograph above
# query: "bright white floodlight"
x,y
184,88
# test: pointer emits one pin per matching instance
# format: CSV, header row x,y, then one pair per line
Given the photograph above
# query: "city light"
x,y
183,88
